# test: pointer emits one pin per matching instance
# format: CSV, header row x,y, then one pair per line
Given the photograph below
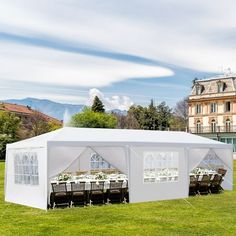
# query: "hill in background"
x,y
54,109
48,107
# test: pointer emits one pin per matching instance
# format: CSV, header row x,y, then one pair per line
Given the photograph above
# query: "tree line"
x,y
152,117
14,127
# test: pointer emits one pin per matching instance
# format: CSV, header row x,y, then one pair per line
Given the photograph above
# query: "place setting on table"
x,y
199,172
99,177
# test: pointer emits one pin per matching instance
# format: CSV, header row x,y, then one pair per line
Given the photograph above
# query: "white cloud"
x,y
180,32
193,34
55,67
113,102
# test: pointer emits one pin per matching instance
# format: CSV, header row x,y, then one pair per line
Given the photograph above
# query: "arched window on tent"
x,y
98,163
199,127
213,126
227,125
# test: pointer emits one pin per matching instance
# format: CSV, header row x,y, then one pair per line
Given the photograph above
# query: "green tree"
x,y
97,105
181,113
38,124
9,124
164,116
53,125
9,128
127,121
152,117
91,119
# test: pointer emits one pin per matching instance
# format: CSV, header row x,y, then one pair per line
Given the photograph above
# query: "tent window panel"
x,y
26,168
97,162
210,162
159,167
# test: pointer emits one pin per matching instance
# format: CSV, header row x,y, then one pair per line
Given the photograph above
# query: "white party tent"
x,y
32,163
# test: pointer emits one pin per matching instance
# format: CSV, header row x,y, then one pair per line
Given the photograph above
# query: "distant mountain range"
x,y
54,109
48,107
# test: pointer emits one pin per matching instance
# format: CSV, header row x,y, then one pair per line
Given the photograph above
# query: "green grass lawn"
x,y
204,215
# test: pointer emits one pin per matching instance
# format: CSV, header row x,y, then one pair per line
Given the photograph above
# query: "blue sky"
x,y
124,51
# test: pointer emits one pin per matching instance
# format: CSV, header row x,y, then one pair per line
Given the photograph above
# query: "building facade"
x,y
212,108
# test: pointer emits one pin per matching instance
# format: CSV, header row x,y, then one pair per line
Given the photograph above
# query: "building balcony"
x,y
212,129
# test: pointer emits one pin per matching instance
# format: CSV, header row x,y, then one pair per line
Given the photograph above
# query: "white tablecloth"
x,y
88,183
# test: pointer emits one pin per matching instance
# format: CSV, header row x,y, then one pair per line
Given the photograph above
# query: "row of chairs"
x,y
78,195
205,184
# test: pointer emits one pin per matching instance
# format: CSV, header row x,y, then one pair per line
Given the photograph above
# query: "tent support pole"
x,y
48,183
128,170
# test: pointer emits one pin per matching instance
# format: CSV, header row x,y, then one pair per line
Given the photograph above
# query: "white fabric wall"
x,y
29,195
60,158
226,156
116,156
142,192
82,162
195,157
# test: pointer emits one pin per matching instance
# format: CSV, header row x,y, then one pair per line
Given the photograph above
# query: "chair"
x,y
193,185
60,195
114,193
96,194
215,185
222,171
203,185
78,193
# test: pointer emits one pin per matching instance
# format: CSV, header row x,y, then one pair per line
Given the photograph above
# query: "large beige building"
x,y
212,108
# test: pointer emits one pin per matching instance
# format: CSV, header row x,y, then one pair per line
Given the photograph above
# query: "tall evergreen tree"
x,y
97,105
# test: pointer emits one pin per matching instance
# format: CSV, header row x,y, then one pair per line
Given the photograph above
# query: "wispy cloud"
x,y
174,32
158,84
101,43
50,66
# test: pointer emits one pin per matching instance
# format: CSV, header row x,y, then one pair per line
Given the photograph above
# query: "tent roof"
x,y
117,136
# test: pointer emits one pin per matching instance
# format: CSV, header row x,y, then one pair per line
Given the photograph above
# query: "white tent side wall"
x,y
20,188
116,156
196,155
60,158
141,192
226,155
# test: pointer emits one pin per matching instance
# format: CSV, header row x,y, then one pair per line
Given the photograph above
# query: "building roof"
x,y
209,85
25,110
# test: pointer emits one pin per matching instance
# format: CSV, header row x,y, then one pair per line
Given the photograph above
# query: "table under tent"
x,y
152,165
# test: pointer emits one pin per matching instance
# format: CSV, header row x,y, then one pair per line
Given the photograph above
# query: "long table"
x,y
88,183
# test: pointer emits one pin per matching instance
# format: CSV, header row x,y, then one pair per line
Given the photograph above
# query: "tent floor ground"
x,y
201,215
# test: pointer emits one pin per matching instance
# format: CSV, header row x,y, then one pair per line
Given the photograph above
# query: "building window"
x,y
220,86
198,89
213,107
227,125
213,126
198,109
160,167
199,127
227,106
26,168
229,141
97,162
